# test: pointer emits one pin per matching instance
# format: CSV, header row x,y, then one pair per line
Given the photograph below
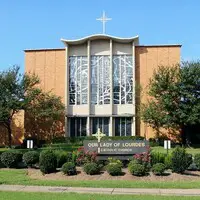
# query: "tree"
x,y
45,110
19,92
174,97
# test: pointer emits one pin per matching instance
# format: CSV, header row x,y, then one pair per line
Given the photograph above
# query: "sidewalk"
x,y
124,191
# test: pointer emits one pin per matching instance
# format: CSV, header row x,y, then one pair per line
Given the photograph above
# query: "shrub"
x,y
83,156
180,160
158,169
114,169
47,161
62,157
31,157
157,157
153,142
69,168
143,159
10,158
137,169
91,168
168,161
197,160
115,161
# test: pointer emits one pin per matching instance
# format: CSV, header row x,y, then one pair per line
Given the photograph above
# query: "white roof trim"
x,y
101,36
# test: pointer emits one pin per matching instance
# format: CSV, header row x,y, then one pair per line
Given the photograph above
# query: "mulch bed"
x,y
169,176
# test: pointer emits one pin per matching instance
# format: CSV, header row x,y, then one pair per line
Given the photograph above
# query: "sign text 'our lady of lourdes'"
x,y
119,147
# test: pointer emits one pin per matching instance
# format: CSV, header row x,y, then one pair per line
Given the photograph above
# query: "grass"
x,y
19,177
73,196
193,151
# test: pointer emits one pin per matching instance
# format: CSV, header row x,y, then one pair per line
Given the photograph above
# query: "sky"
x,y
32,24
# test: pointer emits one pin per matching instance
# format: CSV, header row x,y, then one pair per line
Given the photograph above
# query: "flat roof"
x,y
44,49
153,45
160,45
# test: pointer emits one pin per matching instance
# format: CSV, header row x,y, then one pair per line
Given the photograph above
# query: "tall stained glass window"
x,y
78,77
100,79
122,79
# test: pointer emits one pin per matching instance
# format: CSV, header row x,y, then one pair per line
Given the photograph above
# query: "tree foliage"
x,y
20,92
174,97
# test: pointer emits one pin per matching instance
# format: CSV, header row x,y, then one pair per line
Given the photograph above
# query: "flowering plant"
x,y
83,156
143,158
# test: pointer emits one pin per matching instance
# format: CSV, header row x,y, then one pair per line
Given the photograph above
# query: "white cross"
x,y
104,19
98,135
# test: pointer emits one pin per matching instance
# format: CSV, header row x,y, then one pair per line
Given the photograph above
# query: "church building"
x,y
97,77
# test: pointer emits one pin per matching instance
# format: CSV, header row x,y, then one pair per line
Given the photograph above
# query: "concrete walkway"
x,y
124,191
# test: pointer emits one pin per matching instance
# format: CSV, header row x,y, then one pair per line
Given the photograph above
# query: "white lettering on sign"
x,y
116,144
105,144
92,144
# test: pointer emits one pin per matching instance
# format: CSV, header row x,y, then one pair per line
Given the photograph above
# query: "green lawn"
x,y
73,196
17,176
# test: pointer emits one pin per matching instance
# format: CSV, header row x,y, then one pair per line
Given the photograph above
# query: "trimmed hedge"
x,y
168,161
157,157
137,169
10,158
47,161
30,158
180,160
81,139
197,160
62,157
91,168
114,169
69,168
158,169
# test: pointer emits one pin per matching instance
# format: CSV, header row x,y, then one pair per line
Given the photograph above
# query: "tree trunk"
x,y
8,126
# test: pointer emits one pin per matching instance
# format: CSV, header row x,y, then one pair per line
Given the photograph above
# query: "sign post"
x,y
167,145
29,144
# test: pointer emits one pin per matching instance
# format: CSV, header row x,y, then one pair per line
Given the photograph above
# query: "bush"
x,y
83,156
180,160
47,161
115,161
114,169
62,157
91,168
168,161
158,169
137,169
69,168
153,142
31,157
143,159
157,157
197,160
10,158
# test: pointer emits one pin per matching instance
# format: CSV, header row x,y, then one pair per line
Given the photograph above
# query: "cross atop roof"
x,y
104,19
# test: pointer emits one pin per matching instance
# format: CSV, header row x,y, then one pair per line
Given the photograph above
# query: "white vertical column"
x,y
66,88
89,87
111,89
133,97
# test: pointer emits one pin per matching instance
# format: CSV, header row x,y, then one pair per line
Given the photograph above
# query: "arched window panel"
x,y
100,80
78,78
122,79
